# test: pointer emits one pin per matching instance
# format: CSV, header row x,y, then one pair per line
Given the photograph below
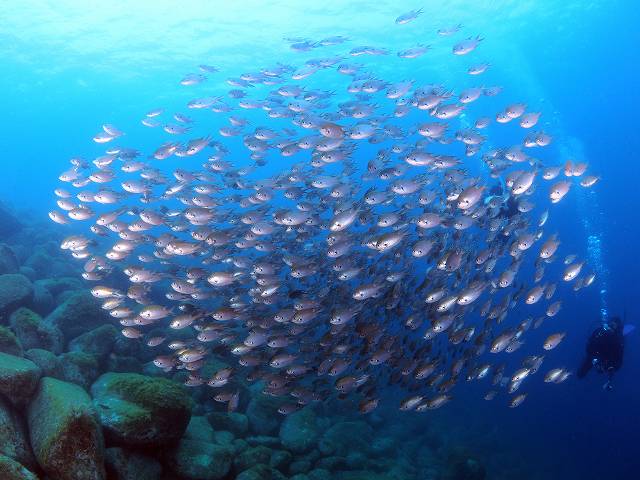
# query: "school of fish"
x,y
396,248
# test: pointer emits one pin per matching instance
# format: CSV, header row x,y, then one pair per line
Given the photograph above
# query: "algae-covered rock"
x,y
236,423
123,364
12,470
40,261
298,466
137,410
223,437
299,431
34,333
14,441
9,343
323,474
16,290
18,379
43,302
9,223
344,437
65,434
280,459
299,476
59,284
126,465
28,272
264,440
250,457
197,460
79,313
8,260
199,429
98,342
79,368
50,365
263,415
261,472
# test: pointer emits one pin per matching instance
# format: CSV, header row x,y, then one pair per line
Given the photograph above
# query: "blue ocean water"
x,y
69,67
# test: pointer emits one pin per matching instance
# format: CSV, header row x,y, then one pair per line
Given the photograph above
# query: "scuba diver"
x,y
509,206
605,349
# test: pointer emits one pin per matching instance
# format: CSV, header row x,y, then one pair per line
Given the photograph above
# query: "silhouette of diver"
x,y
605,349
510,207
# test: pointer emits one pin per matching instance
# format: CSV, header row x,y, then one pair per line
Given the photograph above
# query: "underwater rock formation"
x,y
9,224
14,440
12,470
236,423
18,379
65,434
98,342
8,260
9,343
71,386
299,431
15,290
124,465
198,460
33,332
78,314
136,410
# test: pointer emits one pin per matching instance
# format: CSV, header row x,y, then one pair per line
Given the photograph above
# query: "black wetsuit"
x,y
605,350
510,207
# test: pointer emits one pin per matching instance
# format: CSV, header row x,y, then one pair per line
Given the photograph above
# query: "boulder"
x,y
199,429
16,290
240,445
79,368
40,261
332,463
250,457
65,434
344,437
9,224
30,273
280,459
18,379
322,474
263,415
261,472
123,364
236,423
77,314
223,437
126,465
59,284
265,440
298,466
8,260
12,470
197,460
299,431
9,343
50,365
14,441
43,301
136,410
97,342
34,333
